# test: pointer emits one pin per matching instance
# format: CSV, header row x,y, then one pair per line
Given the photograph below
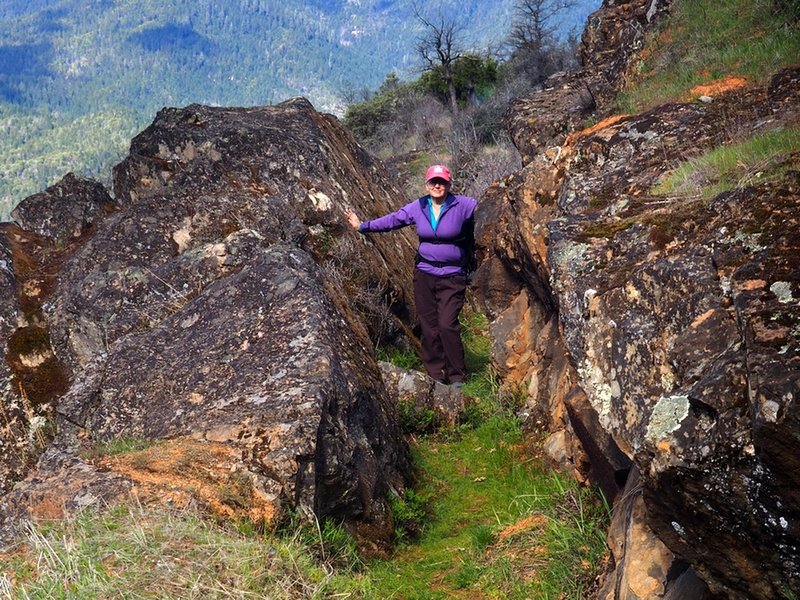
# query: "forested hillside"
x,y
78,79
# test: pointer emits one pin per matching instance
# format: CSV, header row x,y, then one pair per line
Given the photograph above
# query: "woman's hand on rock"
x,y
353,219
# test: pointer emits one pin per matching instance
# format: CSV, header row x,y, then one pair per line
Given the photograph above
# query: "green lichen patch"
x,y
783,292
601,201
663,220
603,229
668,413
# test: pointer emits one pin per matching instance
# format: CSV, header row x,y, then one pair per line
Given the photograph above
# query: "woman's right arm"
x,y
394,220
353,219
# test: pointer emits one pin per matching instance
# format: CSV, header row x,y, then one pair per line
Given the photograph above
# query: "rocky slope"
x,y
208,318
658,337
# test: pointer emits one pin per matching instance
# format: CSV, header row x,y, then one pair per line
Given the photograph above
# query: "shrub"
x,y
474,77
409,513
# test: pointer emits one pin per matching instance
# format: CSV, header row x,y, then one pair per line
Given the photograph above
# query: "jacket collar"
x,y
425,201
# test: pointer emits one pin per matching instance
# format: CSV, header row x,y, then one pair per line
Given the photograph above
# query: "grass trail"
x,y
498,523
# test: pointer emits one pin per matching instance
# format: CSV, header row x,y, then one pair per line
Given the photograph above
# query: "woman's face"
x,y
438,188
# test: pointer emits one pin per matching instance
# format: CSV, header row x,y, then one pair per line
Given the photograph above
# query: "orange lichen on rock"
x,y
720,86
605,123
751,284
533,522
181,471
50,508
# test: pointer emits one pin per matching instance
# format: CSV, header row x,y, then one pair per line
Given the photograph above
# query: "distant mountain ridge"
x,y
77,78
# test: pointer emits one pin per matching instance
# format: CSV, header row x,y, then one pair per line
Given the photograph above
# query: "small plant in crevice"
x,y
512,399
404,359
416,420
376,301
340,549
410,513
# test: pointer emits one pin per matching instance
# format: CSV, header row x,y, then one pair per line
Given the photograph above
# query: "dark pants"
x,y
439,300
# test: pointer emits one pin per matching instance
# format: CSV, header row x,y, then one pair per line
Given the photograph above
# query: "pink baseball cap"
x,y
438,172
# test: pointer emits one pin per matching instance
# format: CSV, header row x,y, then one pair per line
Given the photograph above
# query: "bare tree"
x,y
439,46
537,51
352,94
533,26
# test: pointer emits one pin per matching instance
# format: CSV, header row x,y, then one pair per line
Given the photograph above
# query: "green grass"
x,y
414,420
477,345
762,158
705,40
113,447
405,359
452,532
124,445
479,484
132,552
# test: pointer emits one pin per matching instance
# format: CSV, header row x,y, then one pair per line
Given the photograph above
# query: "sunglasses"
x,y
439,182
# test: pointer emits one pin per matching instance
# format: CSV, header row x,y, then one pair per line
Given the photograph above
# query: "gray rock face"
x,y
31,376
222,318
198,174
16,446
672,313
261,360
64,211
676,350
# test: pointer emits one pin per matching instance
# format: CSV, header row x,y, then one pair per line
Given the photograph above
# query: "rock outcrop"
x,y
658,337
17,436
216,320
205,337
78,204
32,377
425,403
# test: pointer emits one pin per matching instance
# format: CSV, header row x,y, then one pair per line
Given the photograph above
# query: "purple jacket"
x,y
445,251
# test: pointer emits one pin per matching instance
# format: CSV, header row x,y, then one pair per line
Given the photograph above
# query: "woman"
x,y
445,226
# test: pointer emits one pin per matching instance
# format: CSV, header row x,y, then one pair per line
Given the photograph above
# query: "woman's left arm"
x,y
468,231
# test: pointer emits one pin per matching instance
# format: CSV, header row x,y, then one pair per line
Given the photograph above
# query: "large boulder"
x,y
218,324
266,364
683,325
652,334
198,174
